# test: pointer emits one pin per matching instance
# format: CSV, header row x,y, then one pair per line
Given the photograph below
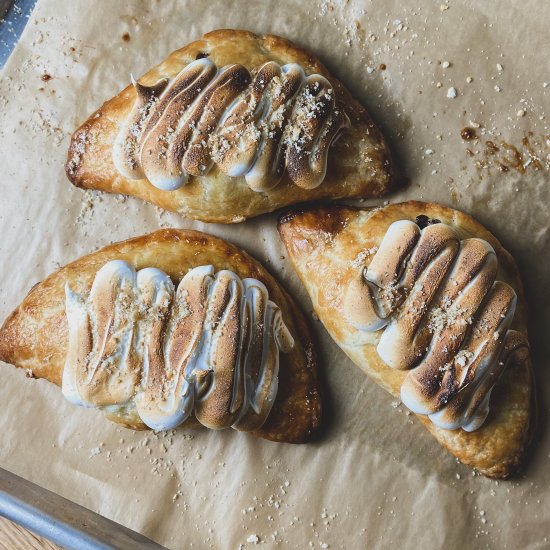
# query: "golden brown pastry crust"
x,y
359,162
35,335
323,243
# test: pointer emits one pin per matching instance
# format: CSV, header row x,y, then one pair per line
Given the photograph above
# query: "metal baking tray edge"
x,y
14,16
64,522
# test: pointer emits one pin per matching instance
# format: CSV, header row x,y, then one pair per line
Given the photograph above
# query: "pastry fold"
x,y
232,126
436,292
36,335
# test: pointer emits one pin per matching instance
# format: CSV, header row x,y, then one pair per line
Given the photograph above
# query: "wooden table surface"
x,y
15,537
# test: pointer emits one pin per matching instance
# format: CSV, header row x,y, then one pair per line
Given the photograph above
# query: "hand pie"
x,y
175,327
428,303
229,127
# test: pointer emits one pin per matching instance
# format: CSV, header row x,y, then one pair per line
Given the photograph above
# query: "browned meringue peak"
x,y
249,127
453,362
221,355
175,145
126,148
444,315
212,347
104,367
315,122
470,408
460,277
249,140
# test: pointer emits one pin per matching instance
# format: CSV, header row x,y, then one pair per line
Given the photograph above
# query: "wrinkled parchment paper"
x,y
375,478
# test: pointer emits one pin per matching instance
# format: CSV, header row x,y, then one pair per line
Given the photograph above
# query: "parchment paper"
x,y
375,478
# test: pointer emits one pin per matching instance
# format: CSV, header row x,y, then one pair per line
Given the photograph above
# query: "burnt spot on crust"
x,y
333,215
202,55
289,215
316,226
423,221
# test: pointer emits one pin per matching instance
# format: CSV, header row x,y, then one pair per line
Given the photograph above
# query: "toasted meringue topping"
x,y
210,347
444,316
249,126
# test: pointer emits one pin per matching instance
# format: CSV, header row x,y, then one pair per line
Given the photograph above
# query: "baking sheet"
x,y
14,15
374,478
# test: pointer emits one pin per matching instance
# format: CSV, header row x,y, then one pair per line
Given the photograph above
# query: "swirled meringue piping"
x,y
249,126
249,141
210,347
126,149
175,146
445,319
101,333
314,124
